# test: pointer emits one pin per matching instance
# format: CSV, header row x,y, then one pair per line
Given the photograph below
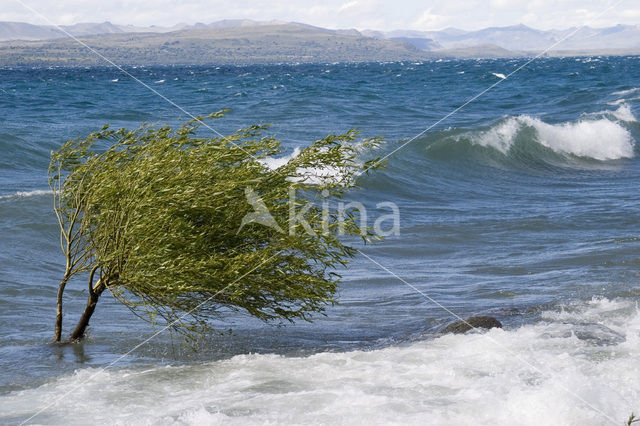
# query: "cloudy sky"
x,y
360,14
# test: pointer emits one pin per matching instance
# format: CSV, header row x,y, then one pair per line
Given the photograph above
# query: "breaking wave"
x,y
318,175
308,175
602,139
578,365
603,136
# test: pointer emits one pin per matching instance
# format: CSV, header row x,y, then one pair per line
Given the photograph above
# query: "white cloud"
x,y
632,13
430,21
348,5
500,4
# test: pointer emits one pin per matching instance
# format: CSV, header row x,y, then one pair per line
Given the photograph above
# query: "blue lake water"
x,y
523,205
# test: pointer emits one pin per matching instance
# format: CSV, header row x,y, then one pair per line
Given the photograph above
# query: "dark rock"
x,y
470,323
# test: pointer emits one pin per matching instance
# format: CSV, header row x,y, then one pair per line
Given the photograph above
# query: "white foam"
x,y
26,194
320,175
501,136
623,94
624,114
627,92
308,175
619,101
541,374
274,163
600,139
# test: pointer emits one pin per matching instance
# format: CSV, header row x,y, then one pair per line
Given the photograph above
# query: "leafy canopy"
x,y
154,214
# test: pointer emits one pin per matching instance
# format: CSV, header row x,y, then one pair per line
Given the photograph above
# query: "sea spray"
x,y
539,374
600,139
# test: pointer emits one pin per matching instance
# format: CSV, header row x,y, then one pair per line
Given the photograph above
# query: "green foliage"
x,y
154,213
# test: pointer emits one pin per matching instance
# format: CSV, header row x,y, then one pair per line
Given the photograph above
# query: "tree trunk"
x,y
83,323
58,332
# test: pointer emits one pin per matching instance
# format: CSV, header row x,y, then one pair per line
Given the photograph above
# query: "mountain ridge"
x,y
514,37
524,38
241,41
232,45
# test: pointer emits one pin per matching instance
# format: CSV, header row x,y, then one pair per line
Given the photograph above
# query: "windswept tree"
x,y
177,226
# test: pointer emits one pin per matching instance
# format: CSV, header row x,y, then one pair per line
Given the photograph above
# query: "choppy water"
x,y
524,205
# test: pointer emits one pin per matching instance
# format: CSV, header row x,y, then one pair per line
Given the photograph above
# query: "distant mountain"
x,y
516,38
225,23
523,38
229,45
231,23
151,29
486,50
24,31
420,43
242,41
618,37
88,28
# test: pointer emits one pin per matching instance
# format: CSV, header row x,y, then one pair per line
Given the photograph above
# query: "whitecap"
x,y
624,114
274,163
26,194
626,92
308,175
536,374
618,102
599,139
311,175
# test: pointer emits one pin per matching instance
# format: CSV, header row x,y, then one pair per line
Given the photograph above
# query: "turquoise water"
x,y
523,205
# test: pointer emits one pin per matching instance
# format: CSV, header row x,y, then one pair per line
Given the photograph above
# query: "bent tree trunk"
x,y
83,323
58,332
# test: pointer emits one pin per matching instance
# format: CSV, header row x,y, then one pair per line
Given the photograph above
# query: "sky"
x,y
360,14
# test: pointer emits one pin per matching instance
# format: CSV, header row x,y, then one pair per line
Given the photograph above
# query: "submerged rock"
x,y
593,334
470,323
597,334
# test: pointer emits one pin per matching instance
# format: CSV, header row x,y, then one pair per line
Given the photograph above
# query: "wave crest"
x,y
26,194
600,139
